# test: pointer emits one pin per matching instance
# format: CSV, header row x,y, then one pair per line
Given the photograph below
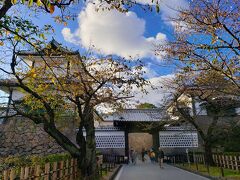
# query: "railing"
x,y
57,170
116,159
105,168
220,160
107,162
225,161
62,170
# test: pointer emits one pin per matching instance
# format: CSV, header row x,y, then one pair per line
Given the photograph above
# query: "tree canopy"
x,y
207,38
72,82
60,81
204,101
146,106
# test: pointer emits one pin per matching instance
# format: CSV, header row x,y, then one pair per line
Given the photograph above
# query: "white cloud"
x,y
68,36
113,32
168,8
149,72
156,95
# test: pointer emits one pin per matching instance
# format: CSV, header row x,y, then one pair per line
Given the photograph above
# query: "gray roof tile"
x,y
137,115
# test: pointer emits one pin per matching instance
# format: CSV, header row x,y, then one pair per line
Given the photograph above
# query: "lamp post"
x,y
188,159
194,158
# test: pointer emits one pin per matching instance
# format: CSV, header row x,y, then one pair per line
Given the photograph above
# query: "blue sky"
x,y
126,34
121,34
91,29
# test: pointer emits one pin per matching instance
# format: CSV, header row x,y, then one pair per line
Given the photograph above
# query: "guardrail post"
x,y
101,173
5,175
236,162
37,172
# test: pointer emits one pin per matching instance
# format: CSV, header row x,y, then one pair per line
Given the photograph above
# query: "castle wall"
x,y
21,137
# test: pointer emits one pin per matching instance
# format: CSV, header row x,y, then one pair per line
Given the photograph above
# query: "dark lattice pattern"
x,y
178,139
110,141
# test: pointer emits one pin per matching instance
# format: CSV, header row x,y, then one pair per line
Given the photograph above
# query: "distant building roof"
x,y
8,83
179,128
52,46
141,115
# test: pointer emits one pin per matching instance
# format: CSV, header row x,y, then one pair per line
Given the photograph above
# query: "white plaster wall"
x,y
106,123
238,111
200,110
17,95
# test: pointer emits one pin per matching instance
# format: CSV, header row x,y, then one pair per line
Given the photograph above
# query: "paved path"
x,y
149,171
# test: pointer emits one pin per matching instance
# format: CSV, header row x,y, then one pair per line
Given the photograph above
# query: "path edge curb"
x,y
115,173
195,172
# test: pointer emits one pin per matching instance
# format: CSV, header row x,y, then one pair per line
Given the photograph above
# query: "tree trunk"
x,y
87,159
90,146
82,158
4,9
208,141
208,154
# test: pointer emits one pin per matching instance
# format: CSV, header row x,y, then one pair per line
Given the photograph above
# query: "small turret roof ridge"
x,y
141,115
52,45
8,83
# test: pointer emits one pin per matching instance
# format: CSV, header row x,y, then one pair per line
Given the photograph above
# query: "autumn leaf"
x,y
7,33
17,38
52,8
13,1
214,39
157,8
39,2
30,2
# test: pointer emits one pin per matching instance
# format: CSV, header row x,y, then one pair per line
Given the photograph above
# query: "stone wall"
x,y
21,136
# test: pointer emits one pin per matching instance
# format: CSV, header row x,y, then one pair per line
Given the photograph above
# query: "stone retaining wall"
x,y
21,136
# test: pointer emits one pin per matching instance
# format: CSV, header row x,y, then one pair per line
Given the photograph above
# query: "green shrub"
x,y
22,161
222,153
98,152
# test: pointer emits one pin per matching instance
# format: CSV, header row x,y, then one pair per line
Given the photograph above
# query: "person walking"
x,y
152,156
134,157
160,157
143,154
131,155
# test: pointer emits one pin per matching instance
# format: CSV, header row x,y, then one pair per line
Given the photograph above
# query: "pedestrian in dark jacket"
x,y
131,155
143,154
160,157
